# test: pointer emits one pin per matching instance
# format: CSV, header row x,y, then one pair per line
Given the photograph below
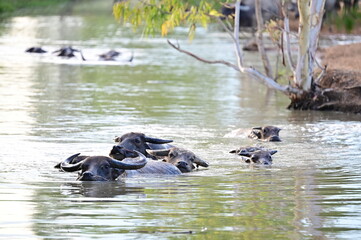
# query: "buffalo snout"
x,y
184,167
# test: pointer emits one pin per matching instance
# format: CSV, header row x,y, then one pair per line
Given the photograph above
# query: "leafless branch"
x,y
321,74
236,35
269,82
202,59
286,36
259,39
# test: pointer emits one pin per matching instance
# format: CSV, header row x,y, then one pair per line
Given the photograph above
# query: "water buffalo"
x,y
267,133
112,56
109,56
181,158
35,50
69,52
270,9
102,168
138,142
255,155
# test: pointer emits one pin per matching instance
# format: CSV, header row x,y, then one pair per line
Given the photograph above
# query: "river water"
x,y
51,108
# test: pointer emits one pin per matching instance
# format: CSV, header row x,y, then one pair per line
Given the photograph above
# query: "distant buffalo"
x,y
267,133
255,155
35,50
270,10
69,52
109,56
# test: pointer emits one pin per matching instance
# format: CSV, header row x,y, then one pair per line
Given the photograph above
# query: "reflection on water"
x,y
51,108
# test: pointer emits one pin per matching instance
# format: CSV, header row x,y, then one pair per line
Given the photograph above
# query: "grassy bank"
x,y
10,6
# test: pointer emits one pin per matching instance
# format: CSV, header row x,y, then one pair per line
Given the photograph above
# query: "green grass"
x,y
349,21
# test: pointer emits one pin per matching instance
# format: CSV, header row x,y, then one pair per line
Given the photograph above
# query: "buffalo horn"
x,y
67,166
159,152
130,163
156,140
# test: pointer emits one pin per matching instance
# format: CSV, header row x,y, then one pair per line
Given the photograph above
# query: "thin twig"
x,y
202,59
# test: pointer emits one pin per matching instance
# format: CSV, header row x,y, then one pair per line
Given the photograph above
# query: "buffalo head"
x,y
102,168
255,155
136,142
35,50
69,52
181,158
268,133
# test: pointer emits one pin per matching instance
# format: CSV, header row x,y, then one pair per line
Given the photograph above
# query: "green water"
x,y
51,108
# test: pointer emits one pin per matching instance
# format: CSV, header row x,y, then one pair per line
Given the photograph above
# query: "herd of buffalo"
x,y
70,52
135,153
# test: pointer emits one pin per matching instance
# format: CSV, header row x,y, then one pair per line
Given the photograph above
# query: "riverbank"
x,y
9,7
345,57
343,65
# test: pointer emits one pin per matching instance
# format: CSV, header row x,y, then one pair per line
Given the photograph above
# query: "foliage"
x,y
162,16
8,6
349,20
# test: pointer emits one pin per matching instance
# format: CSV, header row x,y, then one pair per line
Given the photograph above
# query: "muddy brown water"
x,y
51,108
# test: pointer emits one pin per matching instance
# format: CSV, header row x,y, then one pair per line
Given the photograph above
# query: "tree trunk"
x,y
311,13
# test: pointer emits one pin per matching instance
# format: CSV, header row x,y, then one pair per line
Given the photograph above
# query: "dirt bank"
x,y
343,57
343,66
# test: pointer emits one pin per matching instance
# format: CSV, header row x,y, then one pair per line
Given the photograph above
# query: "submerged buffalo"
x,y
102,168
137,142
267,133
112,55
109,56
35,50
183,159
270,10
255,155
68,52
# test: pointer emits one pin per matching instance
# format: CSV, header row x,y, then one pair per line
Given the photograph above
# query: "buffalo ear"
x,y
200,162
244,153
57,165
117,139
247,160
273,152
233,151
256,132
116,172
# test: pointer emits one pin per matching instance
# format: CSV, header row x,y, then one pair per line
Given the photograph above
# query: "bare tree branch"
x,y
286,36
321,74
236,35
176,47
259,39
269,82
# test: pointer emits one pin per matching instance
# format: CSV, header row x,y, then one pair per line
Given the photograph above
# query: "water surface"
x,y
51,108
